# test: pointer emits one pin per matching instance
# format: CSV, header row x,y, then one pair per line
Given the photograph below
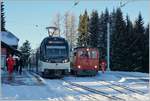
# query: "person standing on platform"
x,y
10,64
103,65
21,65
17,64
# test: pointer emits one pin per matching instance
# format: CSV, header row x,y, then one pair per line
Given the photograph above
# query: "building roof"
x,y
9,38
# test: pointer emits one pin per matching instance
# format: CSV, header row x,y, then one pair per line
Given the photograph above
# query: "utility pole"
x,y
108,46
108,38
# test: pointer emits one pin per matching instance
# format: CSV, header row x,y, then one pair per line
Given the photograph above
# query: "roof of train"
x,y
50,38
54,38
84,47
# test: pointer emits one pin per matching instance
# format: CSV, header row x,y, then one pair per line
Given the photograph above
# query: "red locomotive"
x,y
85,61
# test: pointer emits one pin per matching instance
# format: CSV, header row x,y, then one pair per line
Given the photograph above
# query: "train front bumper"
x,y
54,66
86,72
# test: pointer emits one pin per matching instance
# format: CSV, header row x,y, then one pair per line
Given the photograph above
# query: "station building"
x,y
9,44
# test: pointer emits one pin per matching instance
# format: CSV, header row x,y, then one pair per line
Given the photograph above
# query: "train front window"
x,y
93,54
56,51
83,54
87,54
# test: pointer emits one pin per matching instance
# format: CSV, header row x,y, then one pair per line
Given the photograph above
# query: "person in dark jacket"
x,y
16,64
21,65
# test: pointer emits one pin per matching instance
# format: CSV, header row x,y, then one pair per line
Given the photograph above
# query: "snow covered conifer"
x,y
25,50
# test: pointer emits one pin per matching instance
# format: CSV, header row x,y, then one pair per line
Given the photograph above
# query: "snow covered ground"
x,y
113,85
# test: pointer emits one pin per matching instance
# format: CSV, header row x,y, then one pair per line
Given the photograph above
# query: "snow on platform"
x,y
59,90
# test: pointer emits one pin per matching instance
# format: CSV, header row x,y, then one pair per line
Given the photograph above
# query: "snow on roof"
x,y
9,38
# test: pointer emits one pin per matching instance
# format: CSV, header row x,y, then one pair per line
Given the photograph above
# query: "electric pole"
x,y
108,46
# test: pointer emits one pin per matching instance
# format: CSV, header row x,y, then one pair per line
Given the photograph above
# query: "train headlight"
x,y
64,61
95,66
79,66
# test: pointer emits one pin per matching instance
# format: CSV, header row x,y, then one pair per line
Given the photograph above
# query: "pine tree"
x,y
25,50
118,42
112,21
101,38
102,35
83,30
94,29
2,18
146,51
138,44
128,40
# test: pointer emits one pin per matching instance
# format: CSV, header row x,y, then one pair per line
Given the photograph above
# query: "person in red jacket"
x,y
103,65
10,64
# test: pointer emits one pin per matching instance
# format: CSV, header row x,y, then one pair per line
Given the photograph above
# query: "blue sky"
x,y
22,16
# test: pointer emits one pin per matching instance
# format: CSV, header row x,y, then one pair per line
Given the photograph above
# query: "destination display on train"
x,y
57,42
56,47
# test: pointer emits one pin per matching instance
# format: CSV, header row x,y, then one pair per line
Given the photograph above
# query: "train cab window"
x,y
88,54
93,54
56,51
83,54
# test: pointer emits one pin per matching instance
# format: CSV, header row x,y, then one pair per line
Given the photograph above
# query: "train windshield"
x,y
56,51
87,54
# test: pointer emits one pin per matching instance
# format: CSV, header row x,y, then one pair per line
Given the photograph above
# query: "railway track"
x,y
121,91
95,91
128,88
90,97
75,86
124,87
38,78
135,91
